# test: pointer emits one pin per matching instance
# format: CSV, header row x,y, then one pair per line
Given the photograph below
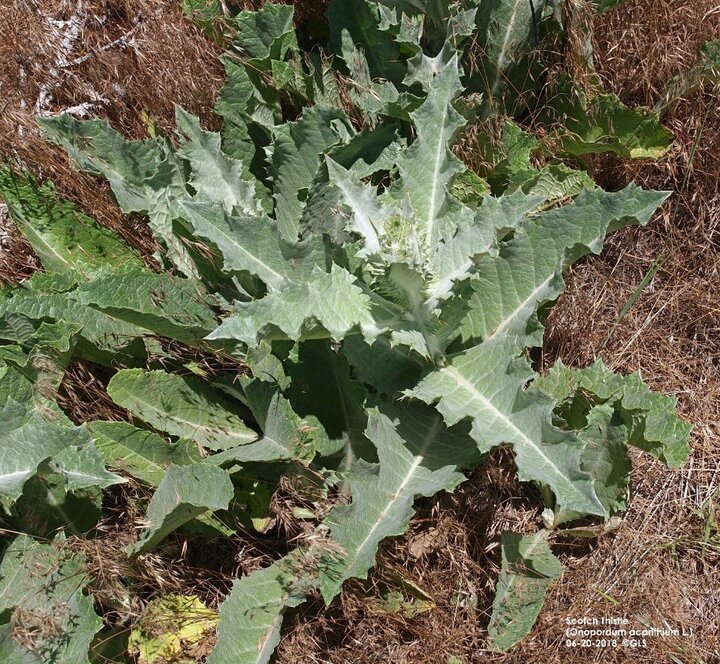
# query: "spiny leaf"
x,y
486,384
141,454
82,467
215,176
361,20
376,98
319,369
332,300
65,240
181,406
366,154
247,244
43,360
266,33
602,123
419,462
252,614
102,331
27,439
70,454
507,32
442,36
605,459
144,175
266,366
184,493
248,109
428,166
453,258
366,216
43,584
388,369
285,435
509,288
513,168
172,307
651,418
554,183
527,572
296,156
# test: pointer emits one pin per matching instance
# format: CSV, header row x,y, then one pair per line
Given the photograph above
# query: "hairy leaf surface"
x,y
428,166
215,175
252,614
185,492
420,462
181,406
296,156
43,585
102,331
144,175
27,439
65,240
486,385
171,307
651,418
141,454
330,299
509,288
285,435
247,244
528,570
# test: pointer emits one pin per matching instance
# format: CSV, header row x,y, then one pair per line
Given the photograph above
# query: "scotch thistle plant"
x,y
371,302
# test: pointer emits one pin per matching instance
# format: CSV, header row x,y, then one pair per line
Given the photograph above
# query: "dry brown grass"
x,y
660,563
83,394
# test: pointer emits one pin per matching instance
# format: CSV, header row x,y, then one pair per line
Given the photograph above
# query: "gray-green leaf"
x,y
332,299
252,614
169,306
651,418
141,454
145,176
418,457
528,570
181,406
43,584
527,271
186,492
487,385
26,440
65,240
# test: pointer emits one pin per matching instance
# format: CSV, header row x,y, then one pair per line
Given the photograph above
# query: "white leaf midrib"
x,y
277,279
500,62
397,495
505,322
439,154
523,437
196,426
